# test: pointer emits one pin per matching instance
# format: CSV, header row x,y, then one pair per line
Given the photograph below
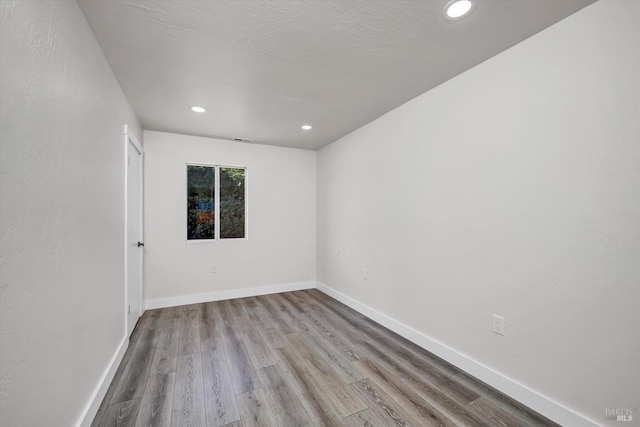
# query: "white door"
x,y
134,243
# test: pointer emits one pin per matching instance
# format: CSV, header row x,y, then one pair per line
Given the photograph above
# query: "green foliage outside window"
x,y
231,203
200,201
201,188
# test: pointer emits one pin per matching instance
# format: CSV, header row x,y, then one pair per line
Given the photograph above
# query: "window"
x,y
216,202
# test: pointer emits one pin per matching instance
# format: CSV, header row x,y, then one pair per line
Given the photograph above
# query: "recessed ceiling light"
x,y
457,9
197,109
306,127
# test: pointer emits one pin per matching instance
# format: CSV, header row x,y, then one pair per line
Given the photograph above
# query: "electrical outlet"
x,y
214,268
498,324
365,273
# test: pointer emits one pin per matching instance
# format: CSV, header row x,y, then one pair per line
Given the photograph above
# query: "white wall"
x,y
280,248
62,213
513,188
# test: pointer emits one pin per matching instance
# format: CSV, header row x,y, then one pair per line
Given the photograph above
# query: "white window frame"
x,y
216,201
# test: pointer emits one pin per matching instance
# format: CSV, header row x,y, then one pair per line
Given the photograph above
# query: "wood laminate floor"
x,y
291,359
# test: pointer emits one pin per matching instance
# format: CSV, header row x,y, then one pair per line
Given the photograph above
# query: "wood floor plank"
x,y
370,331
353,333
188,396
391,338
157,401
366,418
415,353
427,370
411,402
121,414
316,296
334,336
382,404
243,374
427,403
373,331
286,312
251,301
219,396
112,387
208,326
166,355
276,316
320,409
503,403
295,302
324,377
256,344
287,408
255,410
340,363
292,315
493,414
257,347
136,372
190,330
420,374
260,318
368,325
419,361
236,308
352,317
149,321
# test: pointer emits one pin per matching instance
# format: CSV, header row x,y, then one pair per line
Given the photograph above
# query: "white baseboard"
x,y
91,409
534,400
224,295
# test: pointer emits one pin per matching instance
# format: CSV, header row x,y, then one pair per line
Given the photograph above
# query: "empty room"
x,y
319,213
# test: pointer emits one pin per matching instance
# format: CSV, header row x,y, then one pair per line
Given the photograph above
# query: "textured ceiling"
x,y
263,68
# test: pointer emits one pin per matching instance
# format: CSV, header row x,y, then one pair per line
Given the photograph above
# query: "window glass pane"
x,y
231,203
200,202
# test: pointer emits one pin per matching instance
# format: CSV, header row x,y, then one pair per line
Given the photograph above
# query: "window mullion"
x,y
217,203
